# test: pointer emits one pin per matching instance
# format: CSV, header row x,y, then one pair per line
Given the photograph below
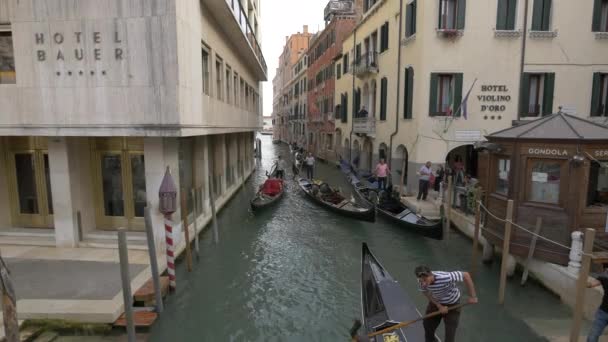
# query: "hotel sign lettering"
x,y
494,98
78,53
548,152
600,153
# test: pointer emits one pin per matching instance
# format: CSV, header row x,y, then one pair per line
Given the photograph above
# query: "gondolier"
x,y
441,290
280,168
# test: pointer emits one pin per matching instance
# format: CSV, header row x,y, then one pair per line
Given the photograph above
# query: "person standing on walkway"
x,y
601,315
382,171
310,165
439,178
423,183
441,290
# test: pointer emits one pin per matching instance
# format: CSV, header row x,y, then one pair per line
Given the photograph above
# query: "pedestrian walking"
x,y
601,315
423,182
310,166
440,289
382,171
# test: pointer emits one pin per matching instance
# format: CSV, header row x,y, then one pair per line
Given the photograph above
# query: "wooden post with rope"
x,y
9,304
475,252
505,253
448,211
184,206
581,284
539,223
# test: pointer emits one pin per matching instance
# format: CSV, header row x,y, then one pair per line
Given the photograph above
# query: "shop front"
x,y
555,168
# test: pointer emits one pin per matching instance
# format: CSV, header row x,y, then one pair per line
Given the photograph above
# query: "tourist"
x,y
423,183
280,168
309,162
601,315
362,112
440,174
381,172
441,290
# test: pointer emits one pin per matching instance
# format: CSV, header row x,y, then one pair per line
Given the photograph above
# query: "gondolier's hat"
x,y
422,271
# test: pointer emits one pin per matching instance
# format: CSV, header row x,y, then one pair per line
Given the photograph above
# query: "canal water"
x,y
292,274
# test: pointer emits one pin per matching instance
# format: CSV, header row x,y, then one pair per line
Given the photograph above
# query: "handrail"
x,y
247,30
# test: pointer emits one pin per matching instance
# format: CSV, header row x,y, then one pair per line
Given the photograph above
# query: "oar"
x,y
405,324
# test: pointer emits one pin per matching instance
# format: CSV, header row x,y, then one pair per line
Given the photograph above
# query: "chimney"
x,y
305,28
286,39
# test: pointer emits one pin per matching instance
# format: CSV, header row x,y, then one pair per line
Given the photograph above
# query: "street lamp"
x,y
168,205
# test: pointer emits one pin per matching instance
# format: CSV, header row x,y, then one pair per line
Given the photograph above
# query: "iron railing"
x,y
243,21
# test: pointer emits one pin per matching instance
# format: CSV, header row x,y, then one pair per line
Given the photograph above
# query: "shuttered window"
x,y
536,94
384,37
505,18
452,14
600,16
599,95
339,71
541,15
345,108
383,96
408,91
410,19
345,64
445,96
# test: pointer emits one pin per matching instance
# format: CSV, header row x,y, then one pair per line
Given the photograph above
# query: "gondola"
x,y
384,304
395,211
334,201
270,192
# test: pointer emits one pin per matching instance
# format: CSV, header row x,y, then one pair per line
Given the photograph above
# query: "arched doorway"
x,y
366,157
383,152
356,154
400,167
462,160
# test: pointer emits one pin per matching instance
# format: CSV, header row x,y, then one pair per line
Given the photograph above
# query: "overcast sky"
x,y
282,18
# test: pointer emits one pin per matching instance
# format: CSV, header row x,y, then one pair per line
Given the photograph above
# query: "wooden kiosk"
x,y
555,168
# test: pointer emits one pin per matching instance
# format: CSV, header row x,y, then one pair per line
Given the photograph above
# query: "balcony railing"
x,y
241,18
339,7
366,64
365,125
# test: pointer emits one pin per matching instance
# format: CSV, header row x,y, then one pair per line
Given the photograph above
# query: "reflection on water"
x,y
291,273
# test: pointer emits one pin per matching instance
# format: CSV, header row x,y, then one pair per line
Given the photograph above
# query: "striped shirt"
x,y
444,289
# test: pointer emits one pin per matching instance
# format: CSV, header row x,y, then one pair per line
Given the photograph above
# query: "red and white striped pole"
x,y
168,205
170,251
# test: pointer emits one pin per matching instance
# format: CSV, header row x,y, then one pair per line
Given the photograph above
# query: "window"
x,y
383,93
219,86
537,94
597,194
242,94
228,79
235,85
383,37
408,92
329,140
505,18
410,19
544,181
600,16
502,175
7,56
445,94
599,95
345,64
541,15
451,14
344,107
339,71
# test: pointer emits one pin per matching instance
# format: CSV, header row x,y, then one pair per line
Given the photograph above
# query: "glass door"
x,y
30,187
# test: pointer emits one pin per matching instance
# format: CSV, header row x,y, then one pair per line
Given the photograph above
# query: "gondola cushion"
x,y
272,187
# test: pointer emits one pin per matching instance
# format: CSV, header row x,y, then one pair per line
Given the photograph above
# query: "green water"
x,y
292,274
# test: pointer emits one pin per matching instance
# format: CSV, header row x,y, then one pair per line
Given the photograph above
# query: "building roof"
x,y
559,126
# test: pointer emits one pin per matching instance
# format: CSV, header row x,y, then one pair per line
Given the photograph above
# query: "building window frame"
x,y
597,174
506,15
599,95
540,179
410,19
541,15
8,72
451,15
445,94
219,77
600,16
536,94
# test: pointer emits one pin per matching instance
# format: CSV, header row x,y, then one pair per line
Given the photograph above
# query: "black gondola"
x,y
395,211
332,200
384,303
270,192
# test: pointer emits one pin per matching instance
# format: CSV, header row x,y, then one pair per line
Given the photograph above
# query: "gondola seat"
x,y
272,187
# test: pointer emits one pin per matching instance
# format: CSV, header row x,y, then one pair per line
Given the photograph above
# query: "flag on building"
x,y
463,105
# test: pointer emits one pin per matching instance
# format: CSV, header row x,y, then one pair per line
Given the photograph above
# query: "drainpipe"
x,y
390,157
523,59
352,121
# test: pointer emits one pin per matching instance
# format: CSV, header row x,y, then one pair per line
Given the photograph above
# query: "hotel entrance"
x,y
29,184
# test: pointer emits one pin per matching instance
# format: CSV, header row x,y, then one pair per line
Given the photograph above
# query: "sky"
x,y
282,18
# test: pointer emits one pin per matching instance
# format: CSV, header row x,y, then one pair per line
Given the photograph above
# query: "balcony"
x,y
339,7
366,65
235,24
365,125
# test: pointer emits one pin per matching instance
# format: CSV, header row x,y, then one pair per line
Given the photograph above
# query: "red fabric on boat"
x,y
272,187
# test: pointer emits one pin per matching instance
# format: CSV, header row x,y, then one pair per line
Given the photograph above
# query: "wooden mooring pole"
x,y
184,207
505,253
126,283
196,242
581,285
448,211
475,252
158,298
9,305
